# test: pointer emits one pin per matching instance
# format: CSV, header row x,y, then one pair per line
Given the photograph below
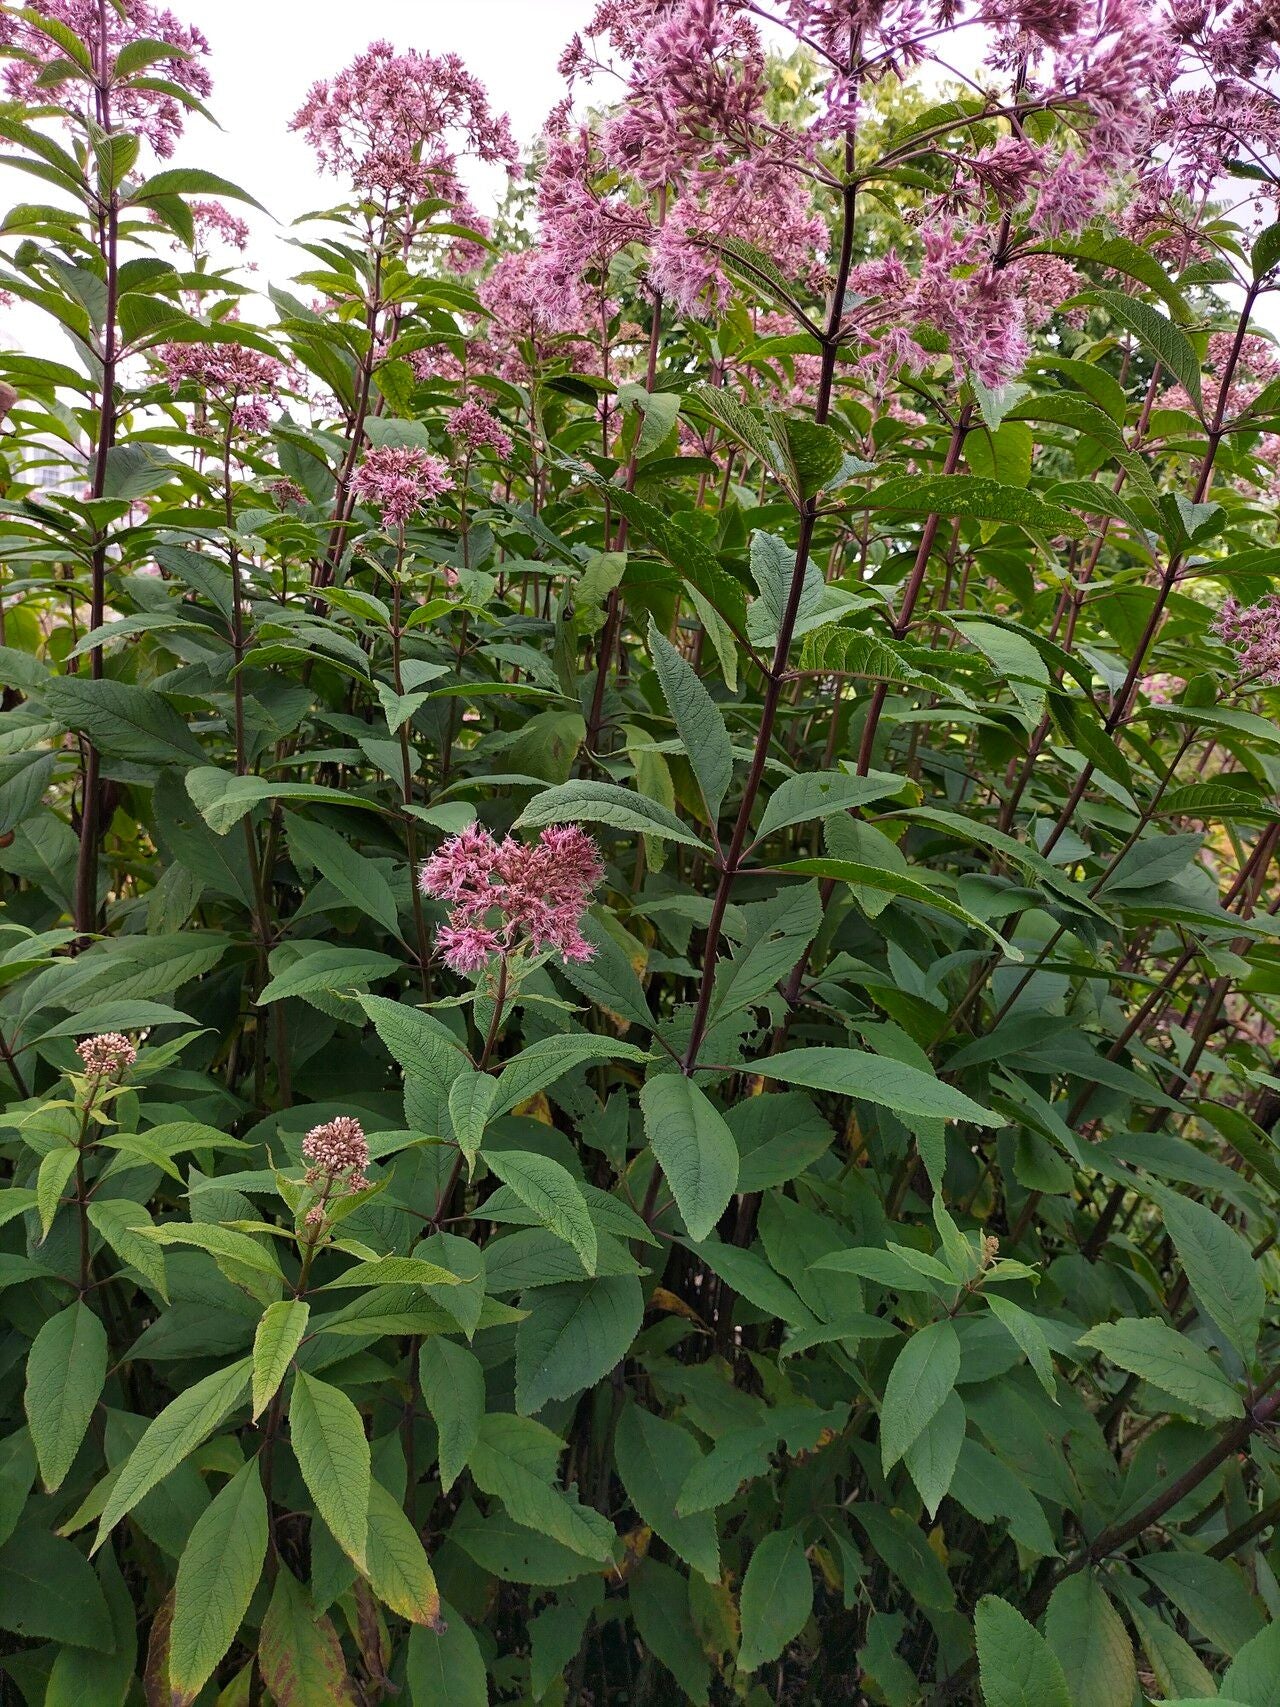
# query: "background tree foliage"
x,y
828,1255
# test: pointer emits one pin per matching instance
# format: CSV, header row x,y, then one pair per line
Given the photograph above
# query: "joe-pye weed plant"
x,y
637,845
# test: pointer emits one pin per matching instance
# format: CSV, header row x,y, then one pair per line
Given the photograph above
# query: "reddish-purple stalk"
x,y
775,676
86,886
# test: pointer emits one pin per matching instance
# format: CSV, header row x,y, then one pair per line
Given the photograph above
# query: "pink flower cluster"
x,y
400,479
107,1056
233,376
503,894
106,29
1254,633
211,219
473,428
390,122
1161,689
338,1154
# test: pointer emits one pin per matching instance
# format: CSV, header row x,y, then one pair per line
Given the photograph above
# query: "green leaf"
x,y
777,1597
655,1457
698,721
1086,1633
878,1079
972,495
471,1099
1016,1666
606,803
906,886
542,1063
922,1376
48,1590
550,1190
124,721
396,1562
1151,1349
356,878
933,1455
1028,1336
276,1339
328,1440
182,1425
66,1368
445,1667
1253,1677
515,1460
393,1271
1214,1594
217,1574
1222,1273
694,1148
1165,340
659,1599
452,1382
222,798
573,1335
801,799
325,969
299,1652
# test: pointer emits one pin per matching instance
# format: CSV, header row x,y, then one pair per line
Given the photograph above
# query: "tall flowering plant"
x,y
637,871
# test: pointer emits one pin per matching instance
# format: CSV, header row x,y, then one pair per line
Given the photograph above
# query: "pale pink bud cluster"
x,y
503,894
235,377
338,1153
473,428
400,479
1254,632
107,1056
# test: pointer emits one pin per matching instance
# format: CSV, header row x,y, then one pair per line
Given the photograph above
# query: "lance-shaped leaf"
x,y
698,720
694,1148
276,1339
329,1443
66,1367
217,1574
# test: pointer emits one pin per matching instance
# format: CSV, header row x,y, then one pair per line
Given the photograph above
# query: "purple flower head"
x,y
236,378
504,895
107,1056
338,1153
1253,631
394,123
474,429
400,479
155,115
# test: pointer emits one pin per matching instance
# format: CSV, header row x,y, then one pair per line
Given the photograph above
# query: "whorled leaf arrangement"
x,y
638,968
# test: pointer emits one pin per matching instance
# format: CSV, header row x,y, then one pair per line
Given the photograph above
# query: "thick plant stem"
x,y
776,673
91,804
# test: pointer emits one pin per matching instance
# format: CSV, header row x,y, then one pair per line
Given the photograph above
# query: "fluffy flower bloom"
x,y
958,290
761,203
211,220
1161,689
235,377
400,479
107,1056
696,98
505,894
1253,631
582,228
527,302
154,115
334,1150
472,427
394,123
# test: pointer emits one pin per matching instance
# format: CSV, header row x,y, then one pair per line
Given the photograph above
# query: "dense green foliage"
x,y
853,1283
